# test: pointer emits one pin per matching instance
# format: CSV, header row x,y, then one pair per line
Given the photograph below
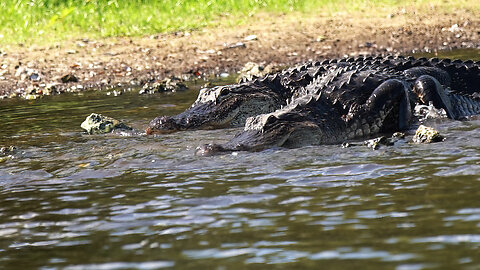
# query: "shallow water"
x,y
73,201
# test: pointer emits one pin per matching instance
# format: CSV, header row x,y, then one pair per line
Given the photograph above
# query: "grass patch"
x,y
44,21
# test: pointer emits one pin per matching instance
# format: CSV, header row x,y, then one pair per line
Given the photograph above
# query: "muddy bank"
x,y
32,71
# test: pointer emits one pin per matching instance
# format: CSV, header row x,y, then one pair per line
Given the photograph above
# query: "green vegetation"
x,y
39,21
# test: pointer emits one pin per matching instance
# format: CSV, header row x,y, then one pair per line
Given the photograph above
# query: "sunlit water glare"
x,y
73,201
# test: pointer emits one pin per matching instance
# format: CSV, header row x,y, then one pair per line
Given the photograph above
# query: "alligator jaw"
x,y
249,140
162,125
202,116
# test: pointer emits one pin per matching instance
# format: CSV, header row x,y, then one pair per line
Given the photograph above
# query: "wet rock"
x,y
115,93
7,152
382,140
31,96
424,112
252,70
98,124
397,136
50,89
173,84
376,143
69,78
426,134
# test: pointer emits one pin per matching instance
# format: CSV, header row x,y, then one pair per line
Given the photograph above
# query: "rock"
x,y
114,93
375,143
31,96
50,89
382,140
69,78
250,38
27,73
98,124
320,39
236,45
426,134
173,84
397,136
7,150
35,77
252,70
6,153
424,112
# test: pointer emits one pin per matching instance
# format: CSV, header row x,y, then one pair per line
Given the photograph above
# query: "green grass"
x,y
40,21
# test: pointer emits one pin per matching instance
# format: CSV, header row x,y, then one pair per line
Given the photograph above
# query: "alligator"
x,y
330,101
230,105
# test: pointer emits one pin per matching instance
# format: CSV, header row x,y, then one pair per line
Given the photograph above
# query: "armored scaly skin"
x,y
231,105
349,103
330,101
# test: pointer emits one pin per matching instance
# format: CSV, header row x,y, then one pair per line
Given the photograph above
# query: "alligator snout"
x,y
162,125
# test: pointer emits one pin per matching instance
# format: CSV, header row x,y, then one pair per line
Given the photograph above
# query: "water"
x,y
73,201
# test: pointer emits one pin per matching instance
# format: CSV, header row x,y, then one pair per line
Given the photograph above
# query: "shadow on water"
x,y
73,201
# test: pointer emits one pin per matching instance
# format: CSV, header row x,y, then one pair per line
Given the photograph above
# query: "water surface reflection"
x,y
74,201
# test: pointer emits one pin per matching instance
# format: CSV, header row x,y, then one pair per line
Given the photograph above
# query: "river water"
x,y
73,201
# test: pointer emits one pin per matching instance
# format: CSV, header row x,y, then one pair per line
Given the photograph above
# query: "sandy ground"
x,y
32,71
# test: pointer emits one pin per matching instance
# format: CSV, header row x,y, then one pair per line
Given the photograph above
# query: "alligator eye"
x,y
271,119
224,91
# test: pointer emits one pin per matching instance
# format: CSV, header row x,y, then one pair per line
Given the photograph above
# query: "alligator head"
x,y
218,107
305,122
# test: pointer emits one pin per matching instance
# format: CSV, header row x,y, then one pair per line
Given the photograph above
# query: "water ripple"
x,y
72,201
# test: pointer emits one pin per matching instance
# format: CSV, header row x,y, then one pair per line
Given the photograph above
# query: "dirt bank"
x,y
285,40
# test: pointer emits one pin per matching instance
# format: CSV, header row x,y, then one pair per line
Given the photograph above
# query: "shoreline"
x,y
30,72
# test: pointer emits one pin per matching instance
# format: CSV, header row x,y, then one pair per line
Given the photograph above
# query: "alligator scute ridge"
x,y
330,101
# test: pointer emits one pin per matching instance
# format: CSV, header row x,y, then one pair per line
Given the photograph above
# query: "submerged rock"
x,y
426,134
98,124
376,143
173,84
382,140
